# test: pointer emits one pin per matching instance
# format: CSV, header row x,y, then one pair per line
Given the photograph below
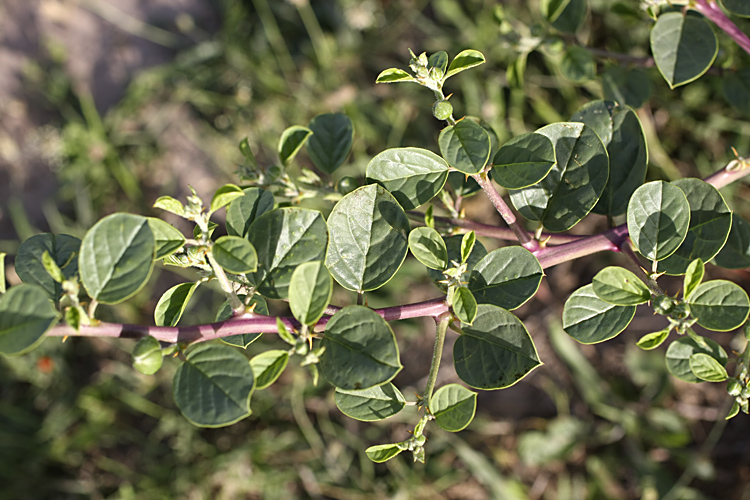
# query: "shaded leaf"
x,y
167,238
62,248
628,86
684,47
707,368
26,313
331,141
680,351
590,320
578,64
564,15
506,277
242,212
464,305
291,141
523,161
242,339
370,405
736,251
428,247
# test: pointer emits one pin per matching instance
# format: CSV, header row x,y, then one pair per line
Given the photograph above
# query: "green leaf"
x,y
621,133
331,141
453,407
707,368
506,277
590,320
467,245
628,86
287,337
719,305
464,305
620,287
736,251
393,75
225,195
453,244
464,60
428,247
465,146
693,277
52,268
523,161
653,340
494,352
268,366
680,351
737,7
310,292
285,238
383,452
26,313
658,219
116,257
564,15
368,240
247,152
574,184
736,87
438,60
235,254
370,405
64,251
170,205
578,64
243,211
173,303
167,239
684,47
412,175
360,350
147,356
710,223
562,436
212,387
242,339
291,141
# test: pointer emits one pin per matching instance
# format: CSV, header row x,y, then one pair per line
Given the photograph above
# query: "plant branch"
x,y
712,11
437,355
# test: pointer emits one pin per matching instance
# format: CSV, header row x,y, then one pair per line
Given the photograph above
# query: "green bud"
x,y
734,388
442,110
662,304
346,185
745,393
147,356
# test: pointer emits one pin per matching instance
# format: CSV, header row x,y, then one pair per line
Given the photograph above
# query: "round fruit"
x,y
442,110
346,185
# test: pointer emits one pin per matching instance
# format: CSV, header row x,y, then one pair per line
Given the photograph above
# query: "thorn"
x,y
64,339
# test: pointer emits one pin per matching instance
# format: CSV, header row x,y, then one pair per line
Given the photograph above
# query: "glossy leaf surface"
x,y
506,277
590,320
523,161
719,305
369,405
412,175
684,47
64,252
658,219
465,146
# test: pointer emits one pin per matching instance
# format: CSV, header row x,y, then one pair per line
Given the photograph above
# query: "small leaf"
x,y
453,407
464,305
73,317
453,245
693,278
523,161
291,141
383,452
428,247
733,411
506,277
173,303
268,366
168,239
465,146
464,60
564,15
247,152
116,257
147,356
370,405
658,219
707,368
212,387
429,218
680,351
590,320
719,305
736,251
620,287
224,196
64,251
331,141
243,211
26,313
439,60
285,334
578,64
393,75
51,267
310,291
653,340
235,254
467,245
684,47
360,350
628,86
170,205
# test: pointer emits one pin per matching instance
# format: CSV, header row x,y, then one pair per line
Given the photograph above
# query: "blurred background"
x,y
107,104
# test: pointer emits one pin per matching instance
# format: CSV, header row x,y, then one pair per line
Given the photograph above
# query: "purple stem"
x,y
713,12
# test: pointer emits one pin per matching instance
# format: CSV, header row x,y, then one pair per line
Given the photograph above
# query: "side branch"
x,y
712,11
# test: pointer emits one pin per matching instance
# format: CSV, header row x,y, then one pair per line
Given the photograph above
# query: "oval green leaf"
x,y
168,239
575,183
26,313
684,47
658,219
173,303
620,287
147,357
654,339
383,452
506,277
428,247
331,141
707,368
465,146
523,161
495,351
564,15
736,251
235,254
225,195
62,248
310,292
693,277
292,139
719,305
242,212
412,175
285,238
370,405
590,320
212,387
268,366
393,75
464,60
628,86
368,238
116,258
464,305
454,407
680,351
360,350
